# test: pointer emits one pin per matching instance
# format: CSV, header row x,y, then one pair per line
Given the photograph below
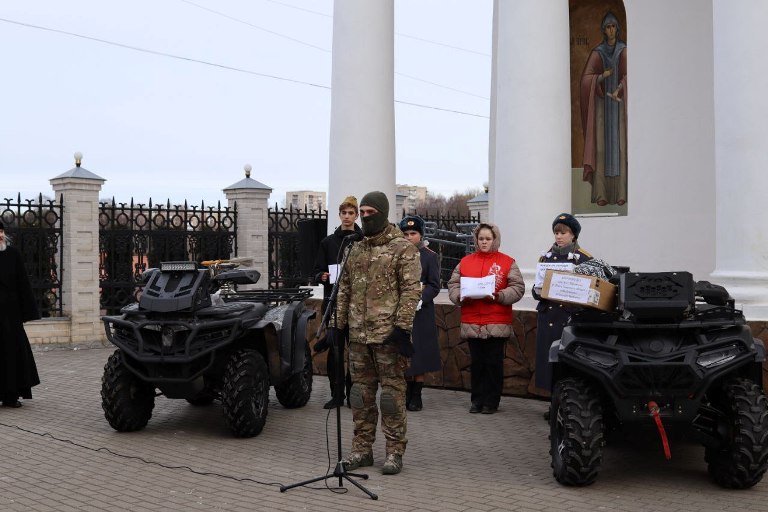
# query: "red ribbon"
x,y
654,408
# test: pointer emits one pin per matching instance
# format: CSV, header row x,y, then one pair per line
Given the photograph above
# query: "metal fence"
x,y
450,236
135,237
35,227
286,246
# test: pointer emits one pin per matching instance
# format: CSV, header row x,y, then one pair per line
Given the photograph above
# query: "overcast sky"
x,y
91,76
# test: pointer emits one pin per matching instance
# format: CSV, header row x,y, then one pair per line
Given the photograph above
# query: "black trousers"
x,y
487,370
331,367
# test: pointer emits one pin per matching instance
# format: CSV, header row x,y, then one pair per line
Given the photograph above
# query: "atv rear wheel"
x,y
742,459
127,400
295,391
576,432
245,393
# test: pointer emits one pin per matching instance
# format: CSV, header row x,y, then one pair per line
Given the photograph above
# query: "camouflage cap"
x,y
348,202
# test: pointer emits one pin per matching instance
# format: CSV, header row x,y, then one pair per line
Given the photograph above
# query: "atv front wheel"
x,y
576,432
127,400
245,393
295,391
742,459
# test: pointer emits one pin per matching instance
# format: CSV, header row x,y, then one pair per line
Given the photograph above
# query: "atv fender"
x,y
293,339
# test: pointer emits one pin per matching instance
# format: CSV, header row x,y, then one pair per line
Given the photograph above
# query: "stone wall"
x,y
519,359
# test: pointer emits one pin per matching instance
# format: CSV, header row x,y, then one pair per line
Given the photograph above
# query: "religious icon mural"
x,y
599,107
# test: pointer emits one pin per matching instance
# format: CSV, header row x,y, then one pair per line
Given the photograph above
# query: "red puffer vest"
x,y
481,264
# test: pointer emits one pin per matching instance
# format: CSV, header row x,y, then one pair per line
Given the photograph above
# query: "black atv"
x,y
200,346
673,355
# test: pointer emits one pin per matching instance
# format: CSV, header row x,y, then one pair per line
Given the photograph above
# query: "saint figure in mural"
x,y
604,116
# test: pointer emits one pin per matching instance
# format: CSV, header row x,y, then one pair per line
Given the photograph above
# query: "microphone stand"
x,y
339,471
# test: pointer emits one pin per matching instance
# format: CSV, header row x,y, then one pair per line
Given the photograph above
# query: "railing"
x,y
35,227
135,237
450,236
286,246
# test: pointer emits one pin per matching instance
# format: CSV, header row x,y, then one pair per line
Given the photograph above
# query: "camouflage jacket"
x,y
379,287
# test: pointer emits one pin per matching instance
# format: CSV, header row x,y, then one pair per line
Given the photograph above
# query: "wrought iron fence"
x,y
285,246
135,237
450,236
35,227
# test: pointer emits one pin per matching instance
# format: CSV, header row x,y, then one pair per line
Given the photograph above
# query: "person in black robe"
x,y
18,372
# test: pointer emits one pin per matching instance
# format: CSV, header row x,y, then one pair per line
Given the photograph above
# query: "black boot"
x,y
408,394
415,403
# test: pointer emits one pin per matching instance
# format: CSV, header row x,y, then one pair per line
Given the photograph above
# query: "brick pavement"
x,y
455,461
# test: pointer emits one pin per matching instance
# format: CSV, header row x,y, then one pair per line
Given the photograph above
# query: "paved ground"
x,y
59,454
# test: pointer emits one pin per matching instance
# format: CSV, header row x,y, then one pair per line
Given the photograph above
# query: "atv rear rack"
x,y
273,297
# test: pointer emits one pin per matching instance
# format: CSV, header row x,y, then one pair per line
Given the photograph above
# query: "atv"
x,y
673,355
192,344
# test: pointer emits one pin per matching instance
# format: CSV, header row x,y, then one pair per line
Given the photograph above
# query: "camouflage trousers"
x,y
369,365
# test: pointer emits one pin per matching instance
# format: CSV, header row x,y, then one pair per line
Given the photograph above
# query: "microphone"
x,y
354,237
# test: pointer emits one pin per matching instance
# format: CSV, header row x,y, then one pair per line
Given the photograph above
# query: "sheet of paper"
x,y
333,271
541,269
477,287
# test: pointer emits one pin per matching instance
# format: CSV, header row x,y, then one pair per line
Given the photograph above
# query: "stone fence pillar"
x,y
80,262
252,200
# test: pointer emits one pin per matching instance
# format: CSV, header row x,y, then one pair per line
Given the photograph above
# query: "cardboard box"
x,y
578,289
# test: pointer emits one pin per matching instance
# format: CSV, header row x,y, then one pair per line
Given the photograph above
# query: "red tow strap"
x,y
654,408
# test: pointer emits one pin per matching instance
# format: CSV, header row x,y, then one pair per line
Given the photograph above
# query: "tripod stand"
x,y
338,384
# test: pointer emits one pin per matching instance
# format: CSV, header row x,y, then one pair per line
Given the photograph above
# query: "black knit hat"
x,y
2,227
376,200
568,220
412,223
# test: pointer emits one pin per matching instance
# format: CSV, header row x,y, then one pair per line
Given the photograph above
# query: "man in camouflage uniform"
x,y
378,293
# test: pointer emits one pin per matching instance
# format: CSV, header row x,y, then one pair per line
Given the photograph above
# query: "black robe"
x,y
18,372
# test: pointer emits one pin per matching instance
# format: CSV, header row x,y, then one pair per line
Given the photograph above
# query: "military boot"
x,y
393,465
414,399
357,460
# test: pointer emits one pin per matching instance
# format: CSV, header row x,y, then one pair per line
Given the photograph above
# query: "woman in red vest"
x,y
487,322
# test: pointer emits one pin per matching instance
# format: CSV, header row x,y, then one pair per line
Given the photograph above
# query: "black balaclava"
x,y
376,223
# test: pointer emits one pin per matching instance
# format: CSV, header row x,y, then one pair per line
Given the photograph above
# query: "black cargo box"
x,y
656,295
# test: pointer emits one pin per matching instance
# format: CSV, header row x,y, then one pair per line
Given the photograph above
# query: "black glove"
x,y
322,345
402,339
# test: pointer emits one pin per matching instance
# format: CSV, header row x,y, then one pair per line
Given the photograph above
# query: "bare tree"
x,y
456,204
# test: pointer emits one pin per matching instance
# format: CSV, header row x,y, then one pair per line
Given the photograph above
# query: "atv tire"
x,y
576,432
741,461
295,391
127,400
245,393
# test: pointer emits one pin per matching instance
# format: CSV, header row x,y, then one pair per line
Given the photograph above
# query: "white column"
x,y
362,145
530,154
741,159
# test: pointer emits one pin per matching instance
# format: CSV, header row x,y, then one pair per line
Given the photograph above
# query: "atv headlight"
x,y
178,266
596,357
718,357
